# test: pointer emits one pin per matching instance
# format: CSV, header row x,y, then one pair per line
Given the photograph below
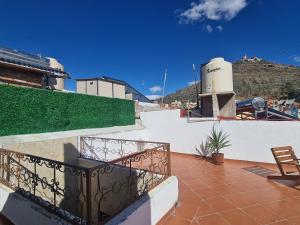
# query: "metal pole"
x,y
196,86
201,89
188,115
164,85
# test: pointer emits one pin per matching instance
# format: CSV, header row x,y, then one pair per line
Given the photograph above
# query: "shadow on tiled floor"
x,y
230,195
264,172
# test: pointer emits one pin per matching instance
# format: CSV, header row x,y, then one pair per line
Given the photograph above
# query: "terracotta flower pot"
x,y
218,158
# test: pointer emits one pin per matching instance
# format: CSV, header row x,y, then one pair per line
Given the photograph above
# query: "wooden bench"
x,y
287,163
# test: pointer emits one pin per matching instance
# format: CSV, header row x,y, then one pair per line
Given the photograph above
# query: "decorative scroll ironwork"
x,y
56,186
129,170
91,195
108,149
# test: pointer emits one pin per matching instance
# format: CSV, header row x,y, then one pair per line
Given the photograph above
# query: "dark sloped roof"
x,y
28,61
104,78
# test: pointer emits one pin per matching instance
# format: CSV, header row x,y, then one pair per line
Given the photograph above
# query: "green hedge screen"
x,y
28,110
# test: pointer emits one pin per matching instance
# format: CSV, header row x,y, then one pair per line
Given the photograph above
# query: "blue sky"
x,y
135,40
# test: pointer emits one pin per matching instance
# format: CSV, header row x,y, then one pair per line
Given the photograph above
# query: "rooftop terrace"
x,y
231,194
237,192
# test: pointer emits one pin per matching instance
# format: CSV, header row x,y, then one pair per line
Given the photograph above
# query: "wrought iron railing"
x,y
59,187
93,194
109,149
130,169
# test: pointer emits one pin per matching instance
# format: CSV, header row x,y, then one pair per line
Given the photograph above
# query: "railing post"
x,y
105,151
18,171
89,196
1,165
34,179
8,168
152,168
130,178
81,146
54,186
169,159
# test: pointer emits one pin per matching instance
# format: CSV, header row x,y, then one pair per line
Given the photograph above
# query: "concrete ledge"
x,y
22,211
152,207
15,139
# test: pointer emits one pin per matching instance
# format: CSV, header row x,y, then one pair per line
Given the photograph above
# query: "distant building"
x,y
252,59
287,106
109,87
166,106
24,69
101,87
176,104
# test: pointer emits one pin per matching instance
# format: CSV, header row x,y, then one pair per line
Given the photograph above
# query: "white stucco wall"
x,y
251,140
119,91
91,87
138,134
105,88
150,209
80,86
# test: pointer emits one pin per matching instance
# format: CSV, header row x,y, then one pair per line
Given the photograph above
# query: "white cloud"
x,y
212,10
153,97
296,59
155,89
209,28
220,28
192,83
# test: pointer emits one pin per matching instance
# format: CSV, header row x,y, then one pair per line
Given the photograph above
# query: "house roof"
x,y
104,78
128,88
14,58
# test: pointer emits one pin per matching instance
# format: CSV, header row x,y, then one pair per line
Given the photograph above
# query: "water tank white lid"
x,y
217,59
55,64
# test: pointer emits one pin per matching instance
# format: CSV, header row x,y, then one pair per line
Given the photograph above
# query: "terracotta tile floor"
x,y
230,195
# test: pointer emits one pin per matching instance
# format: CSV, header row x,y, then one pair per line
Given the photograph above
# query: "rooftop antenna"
x,y
196,86
164,85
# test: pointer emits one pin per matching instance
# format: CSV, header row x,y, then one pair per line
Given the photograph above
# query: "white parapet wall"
x,y
251,140
140,134
150,209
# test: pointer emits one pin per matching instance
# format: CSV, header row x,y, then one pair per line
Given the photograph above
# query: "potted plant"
x,y
217,140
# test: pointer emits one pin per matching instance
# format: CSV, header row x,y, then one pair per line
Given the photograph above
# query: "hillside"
x,y
252,79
